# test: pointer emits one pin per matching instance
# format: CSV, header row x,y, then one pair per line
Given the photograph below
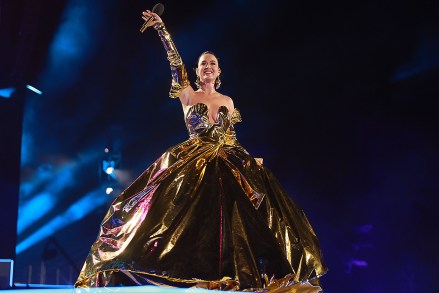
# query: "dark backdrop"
x,y
340,99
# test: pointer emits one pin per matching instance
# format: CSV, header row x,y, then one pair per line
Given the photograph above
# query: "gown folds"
x,y
206,214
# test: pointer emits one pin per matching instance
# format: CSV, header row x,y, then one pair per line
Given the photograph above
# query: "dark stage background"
x,y
340,99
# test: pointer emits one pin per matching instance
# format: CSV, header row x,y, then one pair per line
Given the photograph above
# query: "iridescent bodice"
x,y
221,131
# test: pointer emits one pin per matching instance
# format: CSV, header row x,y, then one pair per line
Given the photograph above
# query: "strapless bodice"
x,y
222,130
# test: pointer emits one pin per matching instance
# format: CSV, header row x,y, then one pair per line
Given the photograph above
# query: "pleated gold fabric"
x,y
206,214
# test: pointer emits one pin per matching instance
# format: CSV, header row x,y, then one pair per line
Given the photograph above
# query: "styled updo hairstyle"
x,y
217,80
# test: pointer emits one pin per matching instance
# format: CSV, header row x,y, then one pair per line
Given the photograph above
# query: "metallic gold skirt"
x,y
205,214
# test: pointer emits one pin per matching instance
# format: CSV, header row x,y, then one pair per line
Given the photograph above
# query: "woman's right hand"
x,y
156,19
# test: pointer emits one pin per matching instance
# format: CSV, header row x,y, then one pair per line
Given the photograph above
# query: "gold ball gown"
x,y
206,214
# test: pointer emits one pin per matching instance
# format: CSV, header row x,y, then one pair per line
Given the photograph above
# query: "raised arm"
x,y
180,79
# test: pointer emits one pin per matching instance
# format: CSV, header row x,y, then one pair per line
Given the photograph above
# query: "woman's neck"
x,y
208,88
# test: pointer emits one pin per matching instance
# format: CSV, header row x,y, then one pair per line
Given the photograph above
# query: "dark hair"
x,y
217,81
206,52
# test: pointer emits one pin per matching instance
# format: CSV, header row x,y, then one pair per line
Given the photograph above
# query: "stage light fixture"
x,y
109,170
109,167
35,90
7,92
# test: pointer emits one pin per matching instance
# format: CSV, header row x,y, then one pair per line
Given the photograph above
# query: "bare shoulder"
x,y
228,102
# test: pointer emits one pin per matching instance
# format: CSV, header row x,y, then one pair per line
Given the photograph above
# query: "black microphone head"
x,y
158,9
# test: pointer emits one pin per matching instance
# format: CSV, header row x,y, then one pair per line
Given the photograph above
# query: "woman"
x,y
205,214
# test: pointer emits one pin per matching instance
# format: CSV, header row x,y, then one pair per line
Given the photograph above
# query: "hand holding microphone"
x,y
152,17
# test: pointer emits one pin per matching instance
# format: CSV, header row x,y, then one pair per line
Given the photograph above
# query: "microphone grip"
x,y
145,24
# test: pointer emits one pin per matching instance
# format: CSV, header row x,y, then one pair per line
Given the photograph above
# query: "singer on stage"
x,y
205,214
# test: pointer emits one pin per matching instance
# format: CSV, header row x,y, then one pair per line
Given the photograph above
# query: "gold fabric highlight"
x,y
178,71
206,214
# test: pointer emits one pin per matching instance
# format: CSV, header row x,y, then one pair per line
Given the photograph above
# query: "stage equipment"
x,y
6,273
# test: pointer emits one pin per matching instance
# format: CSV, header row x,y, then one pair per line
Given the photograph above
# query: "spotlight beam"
x,y
76,212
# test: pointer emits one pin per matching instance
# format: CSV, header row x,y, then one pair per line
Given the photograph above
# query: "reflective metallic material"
x,y
206,214
178,70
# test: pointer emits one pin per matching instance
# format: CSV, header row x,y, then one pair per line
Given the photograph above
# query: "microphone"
x,y
158,9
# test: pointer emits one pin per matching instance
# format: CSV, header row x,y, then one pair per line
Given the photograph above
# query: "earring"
x,y
198,82
217,82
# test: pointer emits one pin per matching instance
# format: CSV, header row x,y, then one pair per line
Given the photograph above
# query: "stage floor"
x,y
68,289
37,288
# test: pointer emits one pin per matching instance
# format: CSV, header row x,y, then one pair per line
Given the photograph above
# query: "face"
x,y
208,69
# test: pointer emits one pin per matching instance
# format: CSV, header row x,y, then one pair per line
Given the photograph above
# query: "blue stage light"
x,y
36,206
108,166
34,89
35,209
77,211
7,92
109,170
